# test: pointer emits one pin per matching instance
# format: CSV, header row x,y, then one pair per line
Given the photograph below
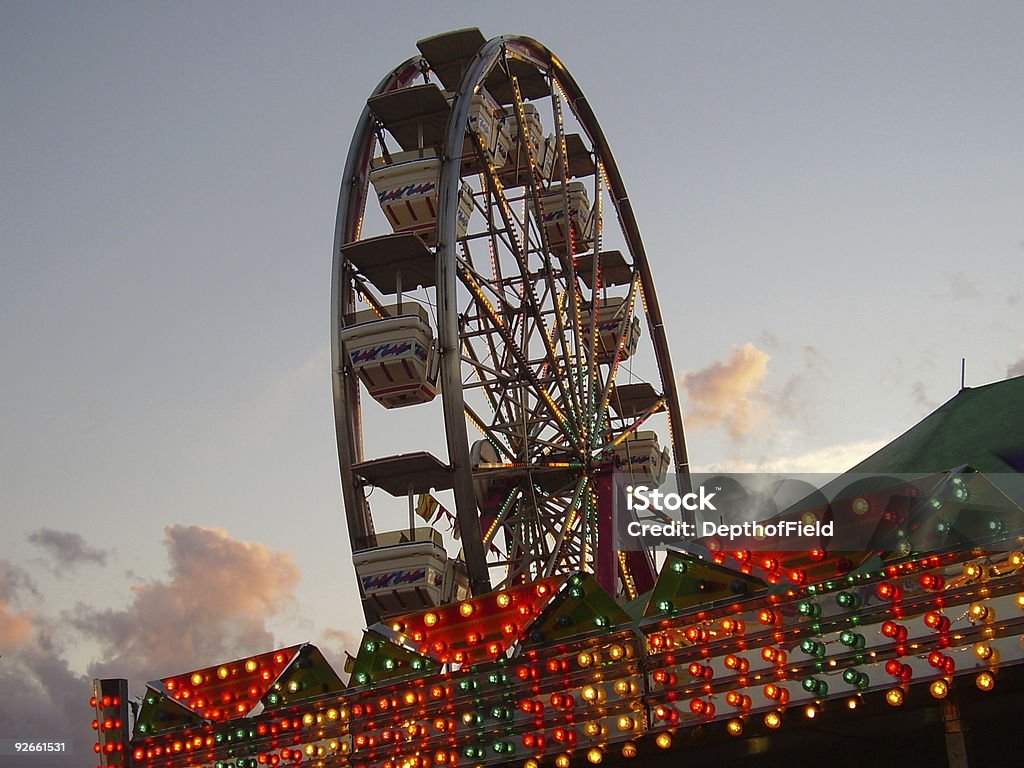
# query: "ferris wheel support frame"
x,y
345,386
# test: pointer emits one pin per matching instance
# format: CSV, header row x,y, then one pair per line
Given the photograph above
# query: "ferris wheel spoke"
x,y
523,364
570,520
507,507
519,253
534,186
572,288
623,333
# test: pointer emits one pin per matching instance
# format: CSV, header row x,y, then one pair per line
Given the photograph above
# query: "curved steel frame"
x,y
350,208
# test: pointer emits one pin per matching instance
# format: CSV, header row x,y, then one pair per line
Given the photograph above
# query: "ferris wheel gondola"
x,y
541,306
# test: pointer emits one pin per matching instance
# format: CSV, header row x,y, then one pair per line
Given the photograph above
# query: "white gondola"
x,y
557,223
409,571
406,187
516,170
549,151
642,459
395,356
533,127
610,315
485,117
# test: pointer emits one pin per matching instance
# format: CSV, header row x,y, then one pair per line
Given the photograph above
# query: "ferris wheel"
x,y
513,285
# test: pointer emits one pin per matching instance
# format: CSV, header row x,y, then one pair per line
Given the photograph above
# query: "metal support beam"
x,y
956,734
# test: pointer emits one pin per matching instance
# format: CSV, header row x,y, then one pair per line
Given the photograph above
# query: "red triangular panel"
x,y
229,690
479,629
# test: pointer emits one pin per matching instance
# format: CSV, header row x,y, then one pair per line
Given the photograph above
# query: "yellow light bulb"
x,y
894,696
663,740
562,761
939,689
465,610
629,749
986,681
773,720
734,727
594,756
980,612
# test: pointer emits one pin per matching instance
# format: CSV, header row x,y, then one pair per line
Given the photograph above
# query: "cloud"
x,y
15,625
831,460
67,548
791,400
43,699
213,607
729,394
962,287
1017,367
335,644
919,391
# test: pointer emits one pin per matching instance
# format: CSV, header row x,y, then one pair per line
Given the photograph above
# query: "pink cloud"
x,y
729,394
213,607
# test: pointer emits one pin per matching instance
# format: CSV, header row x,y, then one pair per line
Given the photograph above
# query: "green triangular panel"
x,y
160,713
686,582
963,510
308,676
581,606
380,659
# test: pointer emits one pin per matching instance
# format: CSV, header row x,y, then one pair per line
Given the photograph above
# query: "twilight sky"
x,y
831,197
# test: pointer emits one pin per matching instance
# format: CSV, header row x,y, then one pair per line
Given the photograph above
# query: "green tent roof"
x,y
980,426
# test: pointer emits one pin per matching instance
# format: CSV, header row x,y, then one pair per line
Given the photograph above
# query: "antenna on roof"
x,y
963,373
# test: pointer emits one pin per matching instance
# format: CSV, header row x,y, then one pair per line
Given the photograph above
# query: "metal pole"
x,y
956,730
412,516
449,343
